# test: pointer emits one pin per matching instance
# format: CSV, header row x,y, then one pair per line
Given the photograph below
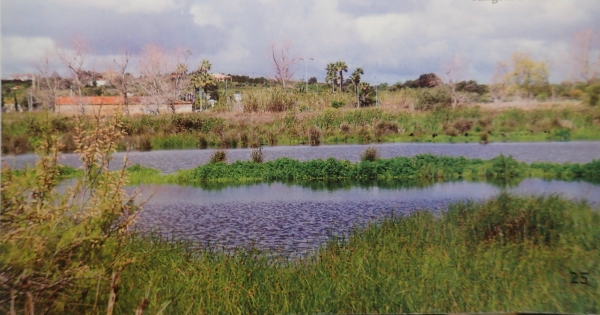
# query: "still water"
x,y
296,219
172,160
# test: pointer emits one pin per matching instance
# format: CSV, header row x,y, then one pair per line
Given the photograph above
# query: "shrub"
x,y
314,135
144,143
344,127
463,125
218,156
483,137
257,155
432,98
592,95
370,154
337,104
55,247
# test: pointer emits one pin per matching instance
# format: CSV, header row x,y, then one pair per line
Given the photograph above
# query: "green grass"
x,y
346,125
420,167
506,254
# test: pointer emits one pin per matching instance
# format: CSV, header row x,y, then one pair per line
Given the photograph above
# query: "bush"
x,y
344,127
56,248
337,104
592,95
314,135
432,98
218,156
483,137
370,154
257,155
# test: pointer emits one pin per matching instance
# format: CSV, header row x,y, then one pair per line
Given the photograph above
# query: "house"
x,y
219,77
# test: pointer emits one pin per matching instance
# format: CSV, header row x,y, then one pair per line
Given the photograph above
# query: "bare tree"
x,y
283,63
75,61
123,79
453,72
179,78
497,87
155,75
585,55
49,81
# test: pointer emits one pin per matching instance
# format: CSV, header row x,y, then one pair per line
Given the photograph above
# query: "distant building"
x,y
219,77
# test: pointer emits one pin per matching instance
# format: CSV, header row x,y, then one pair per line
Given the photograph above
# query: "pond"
x,y
172,160
296,219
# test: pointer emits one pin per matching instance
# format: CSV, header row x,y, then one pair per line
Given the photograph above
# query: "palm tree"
x,y
202,79
365,88
205,66
331,75
341,67
355,78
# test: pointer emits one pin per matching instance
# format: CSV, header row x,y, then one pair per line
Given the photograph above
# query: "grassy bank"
x,y
420,167
507,254
21,131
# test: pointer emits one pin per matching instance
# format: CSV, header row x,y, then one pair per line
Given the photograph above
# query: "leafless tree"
x,y
74,59
283,63
497,87
48,80
155,75
453,72
585,55
123,79
179,78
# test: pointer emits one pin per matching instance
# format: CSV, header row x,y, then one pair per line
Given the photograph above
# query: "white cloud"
x,y
205,14
19,54
125,6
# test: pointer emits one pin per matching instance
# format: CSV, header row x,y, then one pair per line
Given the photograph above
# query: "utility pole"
x,y
306,72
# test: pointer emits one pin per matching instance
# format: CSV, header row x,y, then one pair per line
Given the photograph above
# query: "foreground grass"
x,y
507,254
420,167
21,131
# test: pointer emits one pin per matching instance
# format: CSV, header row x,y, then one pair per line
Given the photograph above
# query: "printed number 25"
x,y
579,277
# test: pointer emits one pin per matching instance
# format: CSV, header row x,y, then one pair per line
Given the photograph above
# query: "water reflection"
x,y
300,217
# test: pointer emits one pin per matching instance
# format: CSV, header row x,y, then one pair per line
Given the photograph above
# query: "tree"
x,y
312,80
283,63
453,71
122,80
497,88
202,79
585,56
355,78
179,78
525,75
75,60
331,76
51,82
154,75
341,67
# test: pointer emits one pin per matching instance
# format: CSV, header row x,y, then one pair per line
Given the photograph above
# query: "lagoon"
x,y
172,160
297,219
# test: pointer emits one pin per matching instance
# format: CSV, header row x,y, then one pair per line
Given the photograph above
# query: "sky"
x,y
392,40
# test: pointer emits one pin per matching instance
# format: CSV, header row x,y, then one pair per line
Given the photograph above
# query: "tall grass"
x,y
291,125
472,258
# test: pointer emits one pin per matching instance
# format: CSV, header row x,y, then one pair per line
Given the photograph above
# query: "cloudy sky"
x,y
392,40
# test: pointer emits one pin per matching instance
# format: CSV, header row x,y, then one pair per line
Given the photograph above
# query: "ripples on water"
x,y
297,219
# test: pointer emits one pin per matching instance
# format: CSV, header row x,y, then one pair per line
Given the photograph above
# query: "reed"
x,y
454,262
290,125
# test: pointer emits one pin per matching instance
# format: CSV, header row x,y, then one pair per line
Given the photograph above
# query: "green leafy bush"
x,y
592,95
337,104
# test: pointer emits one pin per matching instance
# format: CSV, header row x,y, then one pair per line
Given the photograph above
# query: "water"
x,y
298,219
172,160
